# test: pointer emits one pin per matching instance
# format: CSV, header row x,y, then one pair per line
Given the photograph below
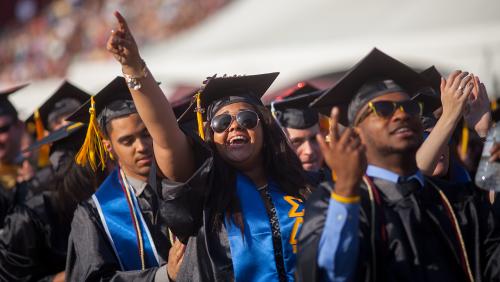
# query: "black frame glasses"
x,y
247,119
386,109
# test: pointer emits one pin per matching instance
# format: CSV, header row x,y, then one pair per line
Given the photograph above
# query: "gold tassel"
x,y
465,140
324,124
44,151
494,105
93,150
199,116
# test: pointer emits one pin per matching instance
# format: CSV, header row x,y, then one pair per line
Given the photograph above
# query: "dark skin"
x,y
345,156
392,143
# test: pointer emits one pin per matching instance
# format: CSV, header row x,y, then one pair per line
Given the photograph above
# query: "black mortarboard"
x,y
375,75
430,99
294,111
185,112
66,139
65,100
71,134
6,107
113,101
221,91
300,89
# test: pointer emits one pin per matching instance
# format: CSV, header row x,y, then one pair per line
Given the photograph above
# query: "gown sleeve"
x,y
90,255
32,244
182,202
19,245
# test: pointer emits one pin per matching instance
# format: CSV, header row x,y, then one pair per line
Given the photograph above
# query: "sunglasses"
x,y
5,128
246,119
386,109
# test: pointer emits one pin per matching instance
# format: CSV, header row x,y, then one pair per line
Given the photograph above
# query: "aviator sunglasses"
x,y
246,119
386,109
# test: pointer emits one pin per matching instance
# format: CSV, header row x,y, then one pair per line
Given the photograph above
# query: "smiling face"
x,y
399,133
238,146
131,144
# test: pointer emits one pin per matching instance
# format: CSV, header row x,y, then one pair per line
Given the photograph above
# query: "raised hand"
x,y
479,116
122,45
455,91
345,156
175,258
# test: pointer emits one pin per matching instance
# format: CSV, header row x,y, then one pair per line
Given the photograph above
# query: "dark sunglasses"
x,y
246,119
5,128
386,109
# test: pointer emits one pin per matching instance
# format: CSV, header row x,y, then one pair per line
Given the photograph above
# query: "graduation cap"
x,y
300,89
6,107
430,99
222,91
65,100
67,138
112,102
66,134
294,111
375,75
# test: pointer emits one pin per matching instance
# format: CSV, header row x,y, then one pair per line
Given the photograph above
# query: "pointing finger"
x,y
122,23
334,125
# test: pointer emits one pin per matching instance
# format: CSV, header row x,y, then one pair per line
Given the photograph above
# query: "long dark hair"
x,y
280,162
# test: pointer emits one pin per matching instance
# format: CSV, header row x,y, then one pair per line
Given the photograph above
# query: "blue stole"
x,y
124,224
252,251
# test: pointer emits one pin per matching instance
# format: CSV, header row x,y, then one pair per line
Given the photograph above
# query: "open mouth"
x,y
238,140
403,131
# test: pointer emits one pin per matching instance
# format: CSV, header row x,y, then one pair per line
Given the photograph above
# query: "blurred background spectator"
x,y
39,38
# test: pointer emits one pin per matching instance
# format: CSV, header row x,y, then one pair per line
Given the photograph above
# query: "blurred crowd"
x,y
387,175
44,36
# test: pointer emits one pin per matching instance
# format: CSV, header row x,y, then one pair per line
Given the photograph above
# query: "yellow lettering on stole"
x,y
294,213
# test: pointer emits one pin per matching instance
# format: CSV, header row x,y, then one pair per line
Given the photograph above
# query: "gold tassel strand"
x,y
44,150
93,150
465,140
199,116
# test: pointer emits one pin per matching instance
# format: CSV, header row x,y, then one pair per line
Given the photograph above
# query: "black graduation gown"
x,y
90,253
190,209
315,178
33,240
207,256
6,199
420,243
43,180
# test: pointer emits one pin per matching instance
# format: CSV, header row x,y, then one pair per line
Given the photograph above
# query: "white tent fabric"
x,y
307,38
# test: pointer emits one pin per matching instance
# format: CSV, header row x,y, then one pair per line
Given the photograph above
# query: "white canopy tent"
x,y
303,39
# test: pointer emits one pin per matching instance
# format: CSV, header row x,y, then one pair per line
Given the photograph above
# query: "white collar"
x,y
136,184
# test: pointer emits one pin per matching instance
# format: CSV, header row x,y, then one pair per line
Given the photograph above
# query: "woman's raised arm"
x,y
172,150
